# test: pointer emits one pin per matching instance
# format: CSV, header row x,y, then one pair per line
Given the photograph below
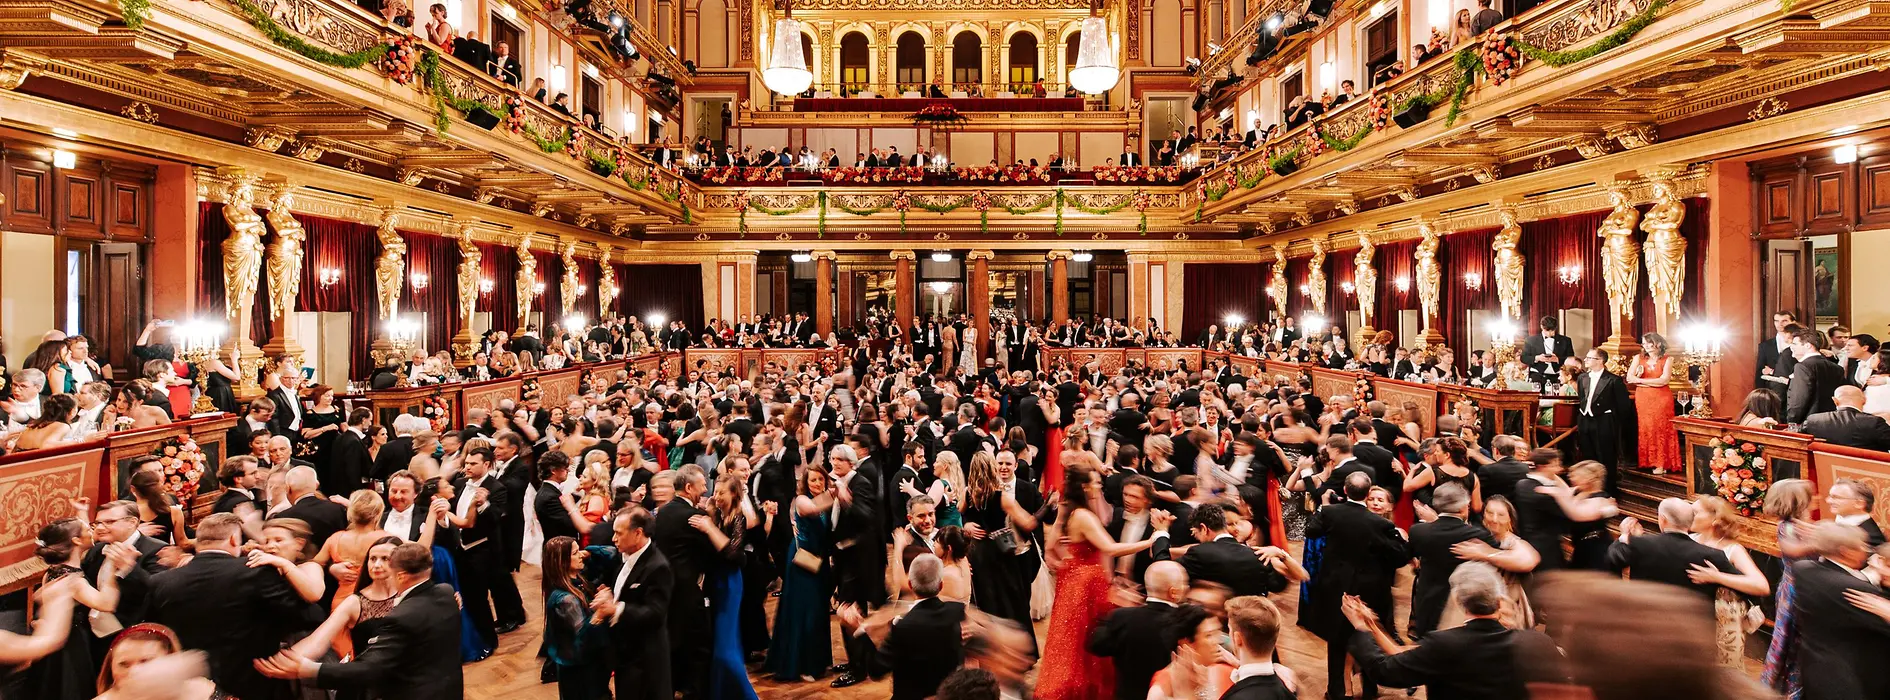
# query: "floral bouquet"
x,y
515,113
1500,57
183,465
402,60
1380,111
902,201
981,201
437,413
1740,474
528,389
938,114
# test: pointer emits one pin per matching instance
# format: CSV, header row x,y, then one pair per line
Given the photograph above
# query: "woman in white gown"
x,y
968,349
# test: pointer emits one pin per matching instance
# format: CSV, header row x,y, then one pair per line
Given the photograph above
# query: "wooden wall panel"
x,y
80,203
28,188
1874,191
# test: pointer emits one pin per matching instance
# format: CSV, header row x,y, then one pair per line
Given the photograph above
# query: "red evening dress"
x,y
1069,671
1653,405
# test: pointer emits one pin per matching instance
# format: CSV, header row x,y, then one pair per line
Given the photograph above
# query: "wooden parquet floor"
x,y
512,671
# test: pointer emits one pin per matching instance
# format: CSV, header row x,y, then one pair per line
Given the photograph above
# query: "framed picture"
x,y
1824,284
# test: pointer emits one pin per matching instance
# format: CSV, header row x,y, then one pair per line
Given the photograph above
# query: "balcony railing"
x,y
886,96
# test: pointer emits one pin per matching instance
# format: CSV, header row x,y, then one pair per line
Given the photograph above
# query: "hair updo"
x,y
56,540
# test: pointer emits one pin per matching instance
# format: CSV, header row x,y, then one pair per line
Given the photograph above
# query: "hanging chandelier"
x,y
787,72
1096,71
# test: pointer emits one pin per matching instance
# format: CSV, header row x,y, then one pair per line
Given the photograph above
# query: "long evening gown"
x,y
69,673
803,637
472,647
1781,657
1069,671
1653,405
728,672
577,648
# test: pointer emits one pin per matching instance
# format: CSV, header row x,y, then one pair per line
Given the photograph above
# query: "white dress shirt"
x,y
1594,387
400,522
623,576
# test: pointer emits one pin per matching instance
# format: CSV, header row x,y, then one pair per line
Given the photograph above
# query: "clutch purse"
x,y
1007,540
807,560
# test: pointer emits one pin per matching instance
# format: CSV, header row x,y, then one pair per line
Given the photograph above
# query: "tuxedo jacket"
x,y
286,413
1363,553
415,655
1561,346
234,614
1814,380
134,587
1431,545
483,535
1610,392
394,456
1499,478
1851,428
1126,635
1666,558
413,528
639,637
349,463
1138,562
324,517
1230,563
923,647
1841,649
1481,660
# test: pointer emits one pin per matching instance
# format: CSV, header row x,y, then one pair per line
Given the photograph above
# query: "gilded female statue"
x,y
1666,250
285,254
391,266
527,283
243,250
1620,255
1509,265
1276,287
1365,278
606,283
567,292
1429,276
469,259
1316,275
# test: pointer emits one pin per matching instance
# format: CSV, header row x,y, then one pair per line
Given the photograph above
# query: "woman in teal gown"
x,y
803,638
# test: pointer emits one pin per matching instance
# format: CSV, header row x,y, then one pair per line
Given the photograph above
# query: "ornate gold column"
x,y
1276,286
1365,286
905,286
1430,278
468,288
978,288
568,288
823,291
1509,264
390,272
1620,274
1059,286
285,273
1316,276
242,267
525,284
607,288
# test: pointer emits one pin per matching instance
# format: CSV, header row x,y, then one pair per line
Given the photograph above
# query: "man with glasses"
x,y
115,531
1602,398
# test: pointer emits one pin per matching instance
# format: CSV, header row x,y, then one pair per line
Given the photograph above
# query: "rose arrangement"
x,y
1019,174
902,202
735,173
981,201
867,176
183,464
1740,474
402,60
1137,173
1500,57
938,113
515,113
437,413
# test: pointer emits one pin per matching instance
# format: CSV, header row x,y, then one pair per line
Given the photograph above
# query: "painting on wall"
x,y
1824,283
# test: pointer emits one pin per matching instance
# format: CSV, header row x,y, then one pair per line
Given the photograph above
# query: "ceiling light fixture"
x,y
787,72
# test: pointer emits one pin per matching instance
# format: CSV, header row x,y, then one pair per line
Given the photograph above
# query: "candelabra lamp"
x,y
199,343
403,338
1503,341
1701,346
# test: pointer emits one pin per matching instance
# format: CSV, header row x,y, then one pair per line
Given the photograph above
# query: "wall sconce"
x,y
1234,320
1082,256
558,76
1348,288
1270,292
1402,283
419,280
615,291
1846,153
485,286
538,289
64,160
1305,291
1473,281
330,276
582,289
941,287
1569,274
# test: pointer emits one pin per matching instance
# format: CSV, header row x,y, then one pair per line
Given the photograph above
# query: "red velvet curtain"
x,y
1694,229
1211,292
672,291
1465,253
551,303
1297,304
587,276
500,264
1551,244
1338,303
437,257
1394,261
351,248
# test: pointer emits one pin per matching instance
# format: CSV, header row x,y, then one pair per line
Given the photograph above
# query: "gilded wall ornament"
x,y
1590,146
1430,275
243,250
1365,277
468,287
1635,136
1316,275
391,267
525,286
1276,286
1666,249
1767,108
1620,254
568,292
410,176
285,253
267,138
138,111
308,151
1486,173
1509,264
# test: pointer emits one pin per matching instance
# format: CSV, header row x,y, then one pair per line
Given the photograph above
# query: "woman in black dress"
x,y
1589,538
361,615
321,422
67,674
1004,560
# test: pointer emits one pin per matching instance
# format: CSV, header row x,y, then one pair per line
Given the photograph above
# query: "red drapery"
x,y
551,303
351,248
437,257
1297,303
1461,255
500,264
1552,244
1211,292
671,291
1338,303
587,276
1394,262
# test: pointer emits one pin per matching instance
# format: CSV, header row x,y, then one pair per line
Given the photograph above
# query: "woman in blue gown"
x,y
574,641
803,638
728,671
471,646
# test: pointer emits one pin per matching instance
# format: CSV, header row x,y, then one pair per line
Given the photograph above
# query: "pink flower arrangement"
x,y
1739,474
402,58
182,463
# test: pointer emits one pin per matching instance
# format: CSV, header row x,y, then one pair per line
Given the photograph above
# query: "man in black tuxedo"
x,y
1774,347
690,555
242,482
1499,478
504,65
1134,522
115,528
892,489
1221,559
404,516
1842,643
1849,425
481,497
1857,358
926,432
258,419
1814,379
1601,403
287,420
234,613
635,584
1340,454
474,52
397,454
1362,556
1546,352
925,644
1128,425
324,517
1851,503
1481,659
414,655
967,441
1433,544
1369,451
349,463
1254,627
548,499
1127,635
1667,557
511,466
1540,519
858,550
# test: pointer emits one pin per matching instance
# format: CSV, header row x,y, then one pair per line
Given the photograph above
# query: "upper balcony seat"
x,y
962,104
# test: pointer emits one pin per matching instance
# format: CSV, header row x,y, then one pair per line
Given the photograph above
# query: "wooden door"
x,y
1788,279
116,304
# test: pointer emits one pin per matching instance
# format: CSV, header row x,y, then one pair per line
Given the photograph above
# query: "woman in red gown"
x,y
1653,405
1052,439
1069,671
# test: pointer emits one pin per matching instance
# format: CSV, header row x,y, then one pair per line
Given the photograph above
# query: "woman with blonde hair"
x,y
288,544
345,552
1716,526
948,489
1512,555
1789,501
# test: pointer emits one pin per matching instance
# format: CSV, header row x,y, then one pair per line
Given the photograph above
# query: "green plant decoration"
x,y
135,12
1619,37
259,18
1347,143
1281,160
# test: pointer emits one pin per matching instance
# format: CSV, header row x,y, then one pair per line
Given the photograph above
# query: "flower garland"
x,y
437,413
1620,36
981,201
1284,159
867,176
260,19
550,145
1740,474
1137,173
183,466
1141,200
902,203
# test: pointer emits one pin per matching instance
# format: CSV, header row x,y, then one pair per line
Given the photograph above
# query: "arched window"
x,y
1023,52
807,54
910,60
967,60
1070,48
854,56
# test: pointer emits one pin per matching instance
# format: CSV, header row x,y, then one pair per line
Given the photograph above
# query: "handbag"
x,y
808,561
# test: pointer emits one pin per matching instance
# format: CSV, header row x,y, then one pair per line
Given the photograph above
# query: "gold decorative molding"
x,y
137,111
1766,108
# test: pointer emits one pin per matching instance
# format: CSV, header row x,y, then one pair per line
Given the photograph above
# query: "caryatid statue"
x,y
1620,254
390,268
285,253
1276,287
1430,276
527,283
1509,264
1365,277
243,250
568,291
1316,276
1666,250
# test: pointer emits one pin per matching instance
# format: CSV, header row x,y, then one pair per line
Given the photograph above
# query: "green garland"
x,y
1469,66
1060,198
1248,183
284,38
549,145
1026,211
942,208
1102,211
135,12
601,163
1275,162
1620,36
1347,143
820,226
